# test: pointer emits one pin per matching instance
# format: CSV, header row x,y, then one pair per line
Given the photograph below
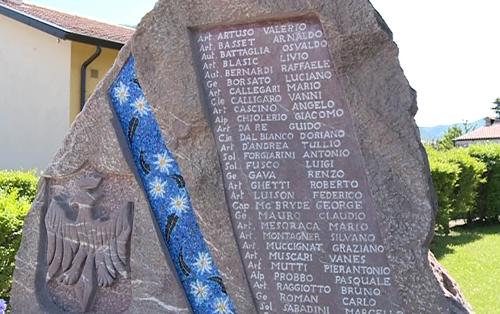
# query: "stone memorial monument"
x,y
241,157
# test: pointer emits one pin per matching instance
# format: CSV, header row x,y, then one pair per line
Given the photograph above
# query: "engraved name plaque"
x,y
293,172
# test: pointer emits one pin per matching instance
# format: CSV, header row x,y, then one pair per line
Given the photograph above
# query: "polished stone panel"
x,y
294,176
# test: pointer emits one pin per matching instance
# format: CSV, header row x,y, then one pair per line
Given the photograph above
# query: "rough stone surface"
x,y
449,286
382,105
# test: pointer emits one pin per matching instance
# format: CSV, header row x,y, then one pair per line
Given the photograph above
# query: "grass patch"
x,y
472,256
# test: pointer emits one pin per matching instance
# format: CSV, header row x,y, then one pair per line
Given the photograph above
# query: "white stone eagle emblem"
x,y
83,249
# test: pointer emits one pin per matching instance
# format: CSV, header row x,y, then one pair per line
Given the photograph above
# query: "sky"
x,y
449,49
450,53
124,12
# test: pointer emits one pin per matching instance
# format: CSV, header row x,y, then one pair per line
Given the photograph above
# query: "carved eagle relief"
x,y
85,251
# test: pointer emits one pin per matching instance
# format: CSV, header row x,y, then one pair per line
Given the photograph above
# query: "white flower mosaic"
x,y
141,106
203,263
199,291
157,188
163,162
121,93
179,204
221,306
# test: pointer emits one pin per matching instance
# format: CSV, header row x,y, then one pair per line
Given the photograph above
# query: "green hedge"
x,y
472,174
24,182
467,183
488,207
17,191
445,177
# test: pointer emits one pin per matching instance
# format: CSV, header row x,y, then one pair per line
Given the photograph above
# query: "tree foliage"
x,y
468,127
446,142
496,108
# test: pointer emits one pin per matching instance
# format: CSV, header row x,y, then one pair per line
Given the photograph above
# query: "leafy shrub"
x,y
23,182
488,207
458,179
17,191
13,210
472,176
445,177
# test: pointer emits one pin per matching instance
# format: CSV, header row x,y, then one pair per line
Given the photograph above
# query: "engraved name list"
x,y
293,172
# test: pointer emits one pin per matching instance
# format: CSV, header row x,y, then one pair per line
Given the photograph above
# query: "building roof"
x,y
484,133
67,26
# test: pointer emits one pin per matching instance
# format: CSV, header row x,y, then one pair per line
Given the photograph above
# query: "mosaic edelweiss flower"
x,y
121,93
163,162
179,203
221,306
141,106
157,187
199,291
203,262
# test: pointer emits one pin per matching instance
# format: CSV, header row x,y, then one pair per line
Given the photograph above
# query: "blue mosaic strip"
x,y
168,197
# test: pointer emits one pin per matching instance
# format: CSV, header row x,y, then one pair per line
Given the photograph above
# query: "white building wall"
x,y
467,143
34,95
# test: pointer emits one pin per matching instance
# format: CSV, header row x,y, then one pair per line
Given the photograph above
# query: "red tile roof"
x,y
487,132
72,23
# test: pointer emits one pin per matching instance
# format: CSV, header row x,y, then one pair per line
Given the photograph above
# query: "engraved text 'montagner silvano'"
x,y
293,171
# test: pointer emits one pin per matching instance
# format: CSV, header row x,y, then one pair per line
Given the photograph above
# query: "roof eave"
x,y
476,139
57,31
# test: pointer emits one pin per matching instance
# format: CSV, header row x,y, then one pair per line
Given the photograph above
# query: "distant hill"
x,y
428,134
